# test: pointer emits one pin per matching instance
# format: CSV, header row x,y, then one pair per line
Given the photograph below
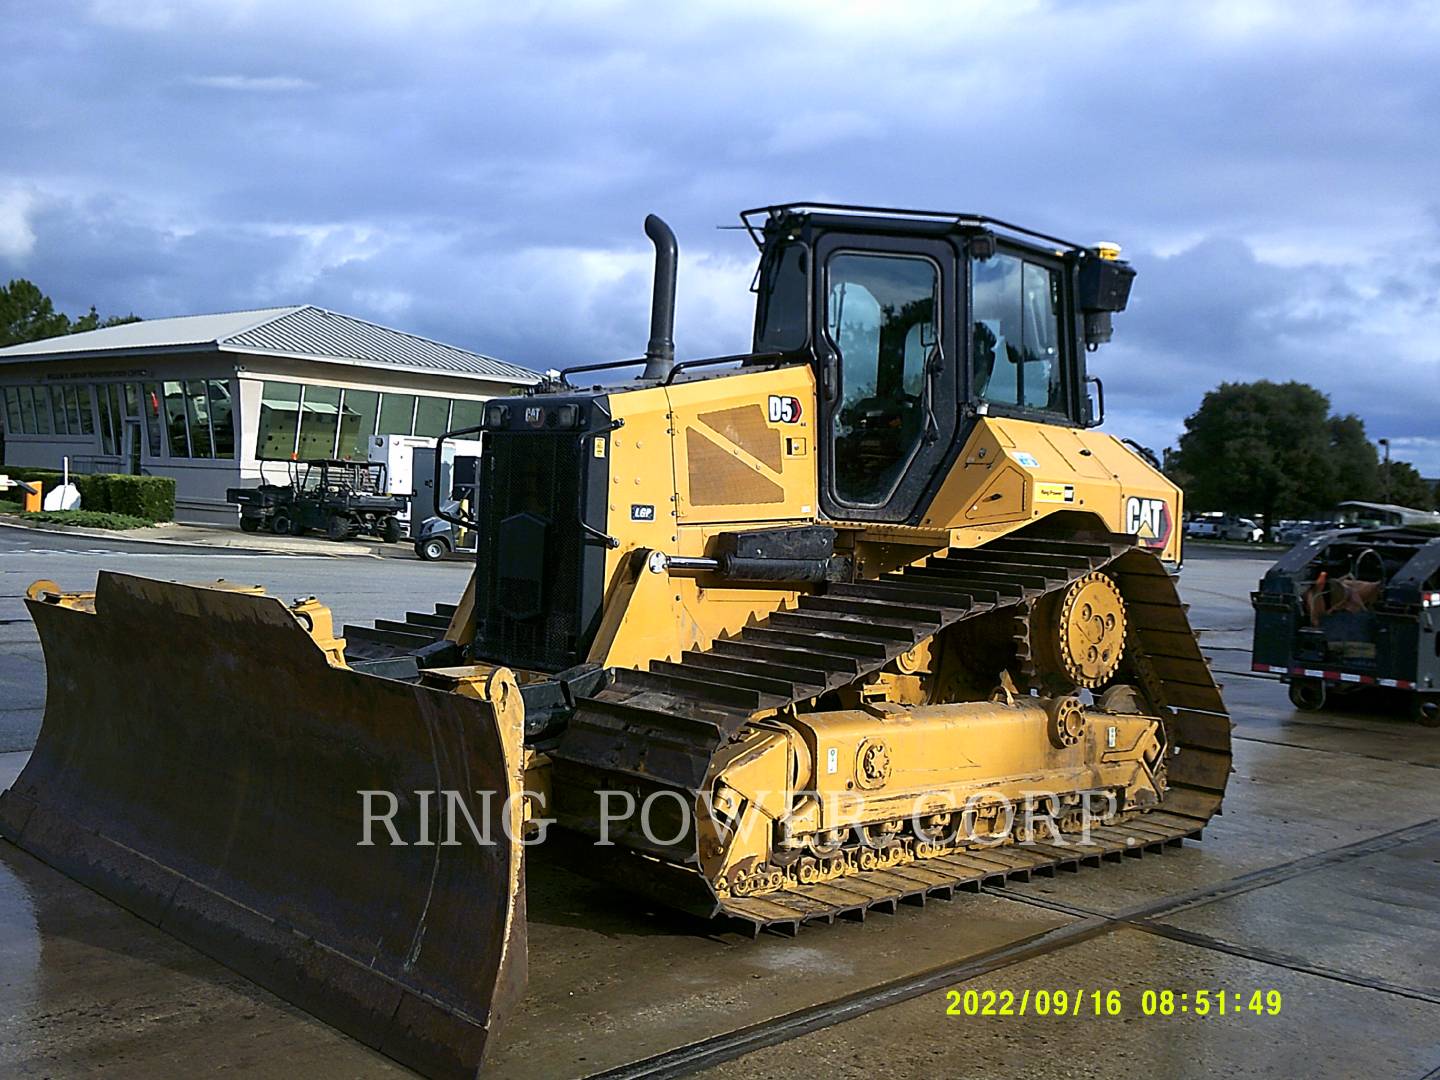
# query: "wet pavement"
x,y
175,537
1321,881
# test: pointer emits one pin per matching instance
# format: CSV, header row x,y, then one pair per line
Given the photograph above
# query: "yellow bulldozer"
x,y
869,613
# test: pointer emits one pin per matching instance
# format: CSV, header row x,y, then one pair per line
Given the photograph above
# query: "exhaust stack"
x,y
660,352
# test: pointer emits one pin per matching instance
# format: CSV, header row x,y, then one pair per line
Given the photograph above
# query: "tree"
x,y
91,321
1357,465
27,314
1263,447
1408,487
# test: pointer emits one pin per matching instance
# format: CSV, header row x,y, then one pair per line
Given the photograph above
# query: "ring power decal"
x,y
1064,493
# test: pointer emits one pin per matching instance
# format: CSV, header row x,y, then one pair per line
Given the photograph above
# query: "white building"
x,y
208,399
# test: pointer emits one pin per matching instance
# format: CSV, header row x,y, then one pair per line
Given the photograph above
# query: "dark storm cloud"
x,y
479,175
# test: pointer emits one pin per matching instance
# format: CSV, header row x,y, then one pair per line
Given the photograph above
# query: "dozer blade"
x,y
200,764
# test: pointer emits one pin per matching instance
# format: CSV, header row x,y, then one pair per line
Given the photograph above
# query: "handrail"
x,y
958,219
710,361
603,366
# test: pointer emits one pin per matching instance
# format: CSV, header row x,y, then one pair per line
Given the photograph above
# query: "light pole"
x,y
1385,473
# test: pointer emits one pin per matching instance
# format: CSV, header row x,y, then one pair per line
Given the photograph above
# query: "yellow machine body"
x,y
942,696
706,454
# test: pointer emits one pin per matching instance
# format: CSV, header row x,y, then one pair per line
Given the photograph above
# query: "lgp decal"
x,y
784,410
1149,519
642,512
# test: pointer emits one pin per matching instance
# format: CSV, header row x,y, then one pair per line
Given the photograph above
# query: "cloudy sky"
x,y
478,171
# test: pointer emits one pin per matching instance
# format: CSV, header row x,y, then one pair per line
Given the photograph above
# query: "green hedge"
x,y
149,497
87,519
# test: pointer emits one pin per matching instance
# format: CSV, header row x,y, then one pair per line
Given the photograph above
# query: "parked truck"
x,y
1353,609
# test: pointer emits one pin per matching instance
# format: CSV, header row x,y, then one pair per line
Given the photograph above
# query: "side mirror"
x,y
1103,288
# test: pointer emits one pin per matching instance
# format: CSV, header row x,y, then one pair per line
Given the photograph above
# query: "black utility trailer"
x,y
343,499
1353,609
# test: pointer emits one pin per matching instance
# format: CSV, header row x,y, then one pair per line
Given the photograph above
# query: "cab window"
x,y
782,314
882,320
1015,307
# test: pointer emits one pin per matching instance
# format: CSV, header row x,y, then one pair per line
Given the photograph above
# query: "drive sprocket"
x,y
1079,633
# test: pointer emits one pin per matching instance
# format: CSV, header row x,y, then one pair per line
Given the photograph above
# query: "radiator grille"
x,y
531,554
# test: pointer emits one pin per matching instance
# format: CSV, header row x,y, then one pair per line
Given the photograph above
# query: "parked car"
x,y
1292,532
1242,529
1202,528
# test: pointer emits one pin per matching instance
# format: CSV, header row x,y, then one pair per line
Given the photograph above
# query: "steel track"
x,y
661,729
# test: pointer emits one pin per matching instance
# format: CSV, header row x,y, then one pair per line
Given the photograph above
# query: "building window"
x,y
40,401
107,429
56,401
72,409
319,414
431,416
465,414
175,418
197,414
279,421
26,395
154,417
113,403
222,417
26,401
61,421
397,414
358,410
87,410
12,411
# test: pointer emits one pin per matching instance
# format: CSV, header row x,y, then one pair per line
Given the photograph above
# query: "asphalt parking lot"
x,y
1318,882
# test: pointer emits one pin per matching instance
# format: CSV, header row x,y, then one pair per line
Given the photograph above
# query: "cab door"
x,y
888,360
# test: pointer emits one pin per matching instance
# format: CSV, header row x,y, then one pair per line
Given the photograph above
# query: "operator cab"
x,y
916,323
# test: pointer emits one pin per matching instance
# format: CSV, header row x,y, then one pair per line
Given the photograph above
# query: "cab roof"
x,y
889,220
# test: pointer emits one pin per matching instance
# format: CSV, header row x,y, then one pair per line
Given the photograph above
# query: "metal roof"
x,y
188,330
306,331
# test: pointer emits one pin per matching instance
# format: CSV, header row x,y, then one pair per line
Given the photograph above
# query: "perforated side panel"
x,y
719,478
747,428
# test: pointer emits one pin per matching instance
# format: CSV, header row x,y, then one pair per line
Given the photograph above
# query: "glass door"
x,y
130,435
888,410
